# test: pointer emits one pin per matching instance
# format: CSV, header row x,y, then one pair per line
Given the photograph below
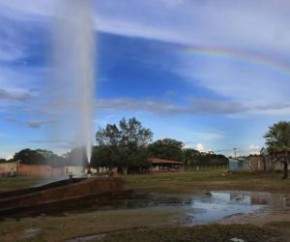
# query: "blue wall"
x,y
238,165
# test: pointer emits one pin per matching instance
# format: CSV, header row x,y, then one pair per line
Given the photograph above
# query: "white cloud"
x,y
276,109
135,29
16,25
233,109
251,25
35,124
258,31
15,95
252,86
254,149
8,157
28,8
20,89
199,107
201,148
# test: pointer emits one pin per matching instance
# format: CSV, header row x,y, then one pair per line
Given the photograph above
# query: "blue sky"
x,y
213,74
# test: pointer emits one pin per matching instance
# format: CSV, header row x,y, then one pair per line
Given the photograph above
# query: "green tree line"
x,y
126,145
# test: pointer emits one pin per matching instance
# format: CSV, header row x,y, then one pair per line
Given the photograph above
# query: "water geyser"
x,y
72,85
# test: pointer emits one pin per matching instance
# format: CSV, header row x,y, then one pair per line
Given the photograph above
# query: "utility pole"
x,y
235,152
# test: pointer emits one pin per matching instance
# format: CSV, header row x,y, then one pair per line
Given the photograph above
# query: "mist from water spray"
x,y
72,85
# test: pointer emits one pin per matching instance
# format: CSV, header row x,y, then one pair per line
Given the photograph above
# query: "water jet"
x,y
71,90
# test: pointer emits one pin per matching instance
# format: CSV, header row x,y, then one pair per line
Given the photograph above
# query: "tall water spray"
x,y
72,85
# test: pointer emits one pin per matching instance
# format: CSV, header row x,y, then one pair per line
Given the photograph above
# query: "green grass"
x,y
285,225
19,182
59,228
219,179
181,182
280,224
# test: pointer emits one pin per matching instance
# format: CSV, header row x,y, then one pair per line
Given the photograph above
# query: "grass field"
x,y
213,179
149,224
19,182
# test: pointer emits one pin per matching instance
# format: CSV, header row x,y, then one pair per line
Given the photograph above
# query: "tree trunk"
x,y
125,170
285,169
264,163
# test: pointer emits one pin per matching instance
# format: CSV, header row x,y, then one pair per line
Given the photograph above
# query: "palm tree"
x,y
278,144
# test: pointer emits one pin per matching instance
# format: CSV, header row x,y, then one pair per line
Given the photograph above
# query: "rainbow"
x,y
238,56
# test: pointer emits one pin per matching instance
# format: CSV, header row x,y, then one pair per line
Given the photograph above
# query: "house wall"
x,y
73,170
238,165
38,170
8,169
101,170
257,164
57,171
162,165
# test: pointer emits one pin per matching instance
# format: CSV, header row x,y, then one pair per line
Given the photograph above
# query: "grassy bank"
x,y
19,182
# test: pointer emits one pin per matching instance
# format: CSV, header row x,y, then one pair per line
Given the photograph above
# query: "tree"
x,y
125,143
169,149
38,157
76,157
134,140
190,157
278,144
101,157
30,157
51,158
194,158
2,160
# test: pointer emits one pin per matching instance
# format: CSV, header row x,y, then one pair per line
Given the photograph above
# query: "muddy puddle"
x,y
203,208
215,206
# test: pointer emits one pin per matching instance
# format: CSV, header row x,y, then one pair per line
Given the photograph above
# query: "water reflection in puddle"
x,y
203,208
200,209
218,205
